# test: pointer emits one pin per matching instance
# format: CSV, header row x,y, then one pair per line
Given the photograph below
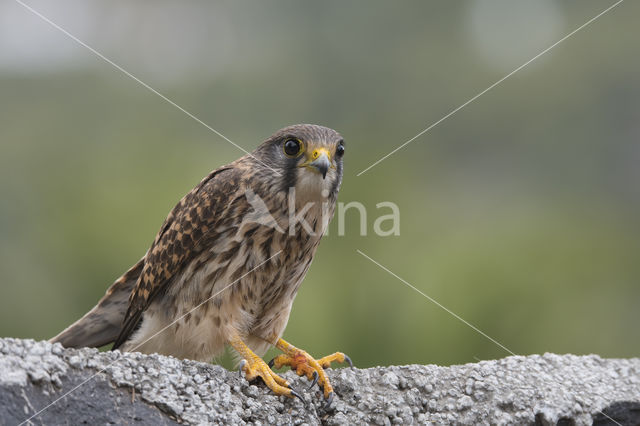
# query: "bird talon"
x,y
314,379
303,363
241,367
348,361
329,400
295,394
337,357
254,367
271,363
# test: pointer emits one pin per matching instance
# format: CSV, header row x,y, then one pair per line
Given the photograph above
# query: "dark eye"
x,y
292,147
340,151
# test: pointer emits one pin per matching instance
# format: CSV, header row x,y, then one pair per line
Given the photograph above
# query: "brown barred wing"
x,y
186,232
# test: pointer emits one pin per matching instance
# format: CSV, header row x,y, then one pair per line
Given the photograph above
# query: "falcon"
x,y
227,263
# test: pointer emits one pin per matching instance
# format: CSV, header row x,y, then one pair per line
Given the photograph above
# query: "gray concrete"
x,y
111,387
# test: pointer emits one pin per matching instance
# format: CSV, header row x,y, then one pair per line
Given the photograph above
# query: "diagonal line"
x,y
613,420
202,303
440,305
133,77
457,316
492,86
137,346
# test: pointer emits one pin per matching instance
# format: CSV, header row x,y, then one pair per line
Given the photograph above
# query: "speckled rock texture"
x,y
41,383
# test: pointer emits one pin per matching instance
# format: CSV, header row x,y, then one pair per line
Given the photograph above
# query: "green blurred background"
x,y
520,213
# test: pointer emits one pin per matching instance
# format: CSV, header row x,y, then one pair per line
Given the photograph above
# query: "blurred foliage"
x,y
519,213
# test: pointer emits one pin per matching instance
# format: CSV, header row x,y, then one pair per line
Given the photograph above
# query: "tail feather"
x,y
101,325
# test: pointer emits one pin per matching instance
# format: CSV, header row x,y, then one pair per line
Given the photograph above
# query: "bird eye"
x,y
340,151
292,147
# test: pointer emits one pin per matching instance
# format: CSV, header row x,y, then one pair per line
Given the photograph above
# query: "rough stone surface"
x,y
87,386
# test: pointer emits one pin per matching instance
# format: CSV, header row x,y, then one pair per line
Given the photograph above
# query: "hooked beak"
x,y
319,161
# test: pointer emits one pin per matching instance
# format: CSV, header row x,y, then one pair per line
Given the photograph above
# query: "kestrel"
x,y
227,263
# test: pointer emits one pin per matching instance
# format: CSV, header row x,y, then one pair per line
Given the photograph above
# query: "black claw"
x,y
315,379
297,395
329,401
271,363
348,361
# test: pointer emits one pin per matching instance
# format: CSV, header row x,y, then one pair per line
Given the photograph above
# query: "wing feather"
x,y
179,241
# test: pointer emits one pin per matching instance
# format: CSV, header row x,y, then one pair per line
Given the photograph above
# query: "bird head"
x,y
306,157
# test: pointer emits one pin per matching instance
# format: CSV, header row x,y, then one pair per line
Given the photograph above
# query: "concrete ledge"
x,y
151,389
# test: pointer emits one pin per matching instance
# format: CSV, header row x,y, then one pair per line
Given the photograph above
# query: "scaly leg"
x,y
304,364
253,367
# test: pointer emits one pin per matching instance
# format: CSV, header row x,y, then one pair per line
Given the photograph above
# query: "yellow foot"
x,y
326,361
258,368
304,364
254,367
